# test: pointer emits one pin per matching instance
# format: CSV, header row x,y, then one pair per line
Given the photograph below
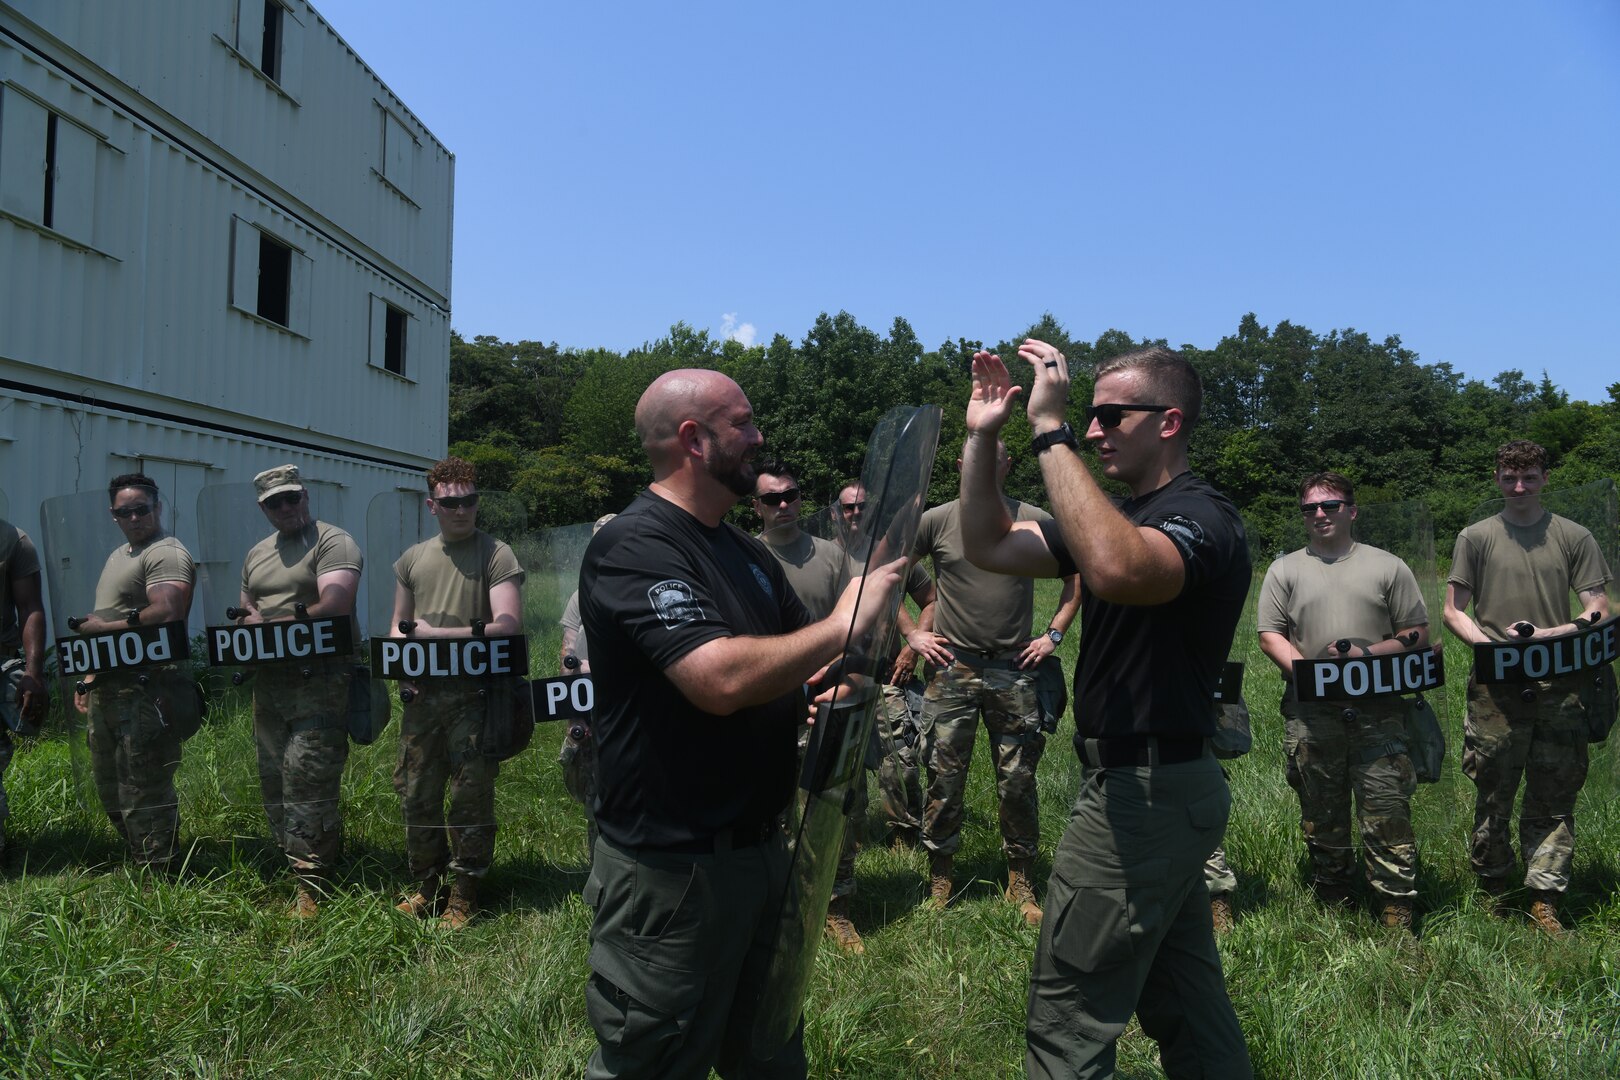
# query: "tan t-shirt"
x,y
130,572
1525,571
451,582
1365,595
816,568
18,560
282,571
571,621
985,613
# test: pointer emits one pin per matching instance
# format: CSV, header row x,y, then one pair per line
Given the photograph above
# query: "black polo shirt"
x,y
655,584
1153,670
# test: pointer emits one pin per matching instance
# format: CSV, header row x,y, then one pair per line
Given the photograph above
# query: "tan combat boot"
x,y
1396,915
463,903
1544,912
841,929
420,904
1220,912
939,878
306,905
1021,890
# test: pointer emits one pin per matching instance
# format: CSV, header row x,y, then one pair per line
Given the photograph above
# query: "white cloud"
x,y
732,330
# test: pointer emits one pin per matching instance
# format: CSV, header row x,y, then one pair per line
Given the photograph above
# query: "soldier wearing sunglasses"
x,y
134,748
1165,575
443,586
300,711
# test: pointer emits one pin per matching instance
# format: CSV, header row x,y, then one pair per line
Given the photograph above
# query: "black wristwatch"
x,y
1062,434
1055,635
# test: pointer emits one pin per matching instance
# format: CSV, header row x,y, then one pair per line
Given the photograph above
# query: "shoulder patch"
x,y
763,579
674,603
1184,532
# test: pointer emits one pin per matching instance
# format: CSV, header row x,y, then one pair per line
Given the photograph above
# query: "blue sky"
x,y
1439,170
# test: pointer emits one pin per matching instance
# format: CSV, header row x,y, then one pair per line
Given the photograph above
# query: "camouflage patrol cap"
x,y
275,481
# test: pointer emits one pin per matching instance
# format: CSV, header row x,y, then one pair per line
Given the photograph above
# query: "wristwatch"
x,y
1053,632
1062,434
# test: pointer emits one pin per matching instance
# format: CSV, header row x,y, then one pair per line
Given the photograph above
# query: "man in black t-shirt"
x,y
1164,577
699,649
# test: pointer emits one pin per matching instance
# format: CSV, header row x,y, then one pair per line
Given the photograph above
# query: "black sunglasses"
x,y
1332,506
851,508
283,500
124,513
456,502
777,498
1110,415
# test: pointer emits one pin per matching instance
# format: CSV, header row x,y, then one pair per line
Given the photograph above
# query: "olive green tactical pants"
x,y
134,754
1544,741
300,726
1128,930
679,949
438,748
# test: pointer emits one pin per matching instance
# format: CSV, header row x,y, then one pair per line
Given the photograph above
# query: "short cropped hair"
x,y
452,470
1166,375
1332,481
131,480
1521,454
774,467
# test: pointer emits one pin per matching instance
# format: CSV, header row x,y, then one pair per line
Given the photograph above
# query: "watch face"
x,y
1056,636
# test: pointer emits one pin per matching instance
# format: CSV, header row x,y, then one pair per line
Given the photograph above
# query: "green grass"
x,y
109,971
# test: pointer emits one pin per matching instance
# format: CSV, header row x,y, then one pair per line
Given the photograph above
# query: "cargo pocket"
x,y
1093,931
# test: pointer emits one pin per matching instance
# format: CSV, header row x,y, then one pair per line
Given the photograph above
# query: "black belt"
x,y
1128,750
728,839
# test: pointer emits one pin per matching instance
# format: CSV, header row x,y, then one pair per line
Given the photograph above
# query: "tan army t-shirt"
x,y
130,572
571,620
814,567
282,571
451,582
985,613
18,559
1365,595
1525,571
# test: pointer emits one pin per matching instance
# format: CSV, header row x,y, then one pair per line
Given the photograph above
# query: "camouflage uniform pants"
x,y
134,753
1218,876
1330,757
578,761
950,721
899,782
1543,741
301,728
438,747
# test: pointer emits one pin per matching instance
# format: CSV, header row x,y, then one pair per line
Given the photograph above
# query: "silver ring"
x,y
1051,363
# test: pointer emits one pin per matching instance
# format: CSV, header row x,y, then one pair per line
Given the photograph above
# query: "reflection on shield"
x,y
899,459
129,694
462,699
1590,508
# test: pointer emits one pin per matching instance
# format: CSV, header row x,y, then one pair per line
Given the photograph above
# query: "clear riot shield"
x,y
1527,657
899,459
463,691
277,673
119,597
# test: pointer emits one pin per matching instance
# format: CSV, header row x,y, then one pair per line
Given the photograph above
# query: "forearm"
x,y
1461,624
1281,652
1110,553
33,640
984,517
728,674
1068,605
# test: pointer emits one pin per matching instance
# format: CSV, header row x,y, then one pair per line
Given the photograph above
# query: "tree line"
x,y
556,425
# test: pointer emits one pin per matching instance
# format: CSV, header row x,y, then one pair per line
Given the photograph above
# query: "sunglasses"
x,y
1332,506
456,502
284,500
777,498
852,508
124,513
1111,414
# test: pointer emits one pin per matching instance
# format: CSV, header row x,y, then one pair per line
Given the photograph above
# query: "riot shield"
x,y
1526,659
899,459
119,597
464,699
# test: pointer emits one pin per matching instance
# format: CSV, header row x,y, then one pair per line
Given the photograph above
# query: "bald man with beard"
x,y
699,649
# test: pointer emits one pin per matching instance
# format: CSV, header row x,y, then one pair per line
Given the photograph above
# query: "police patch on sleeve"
x,y
1184,532
674,602
763,579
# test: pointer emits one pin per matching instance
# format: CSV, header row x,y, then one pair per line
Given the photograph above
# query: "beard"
x,y
737,474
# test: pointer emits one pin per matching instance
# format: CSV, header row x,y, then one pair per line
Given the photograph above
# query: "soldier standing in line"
x,y
300,721
22,627
445,584
134,746
982,625
1520,566
578,754
1331,592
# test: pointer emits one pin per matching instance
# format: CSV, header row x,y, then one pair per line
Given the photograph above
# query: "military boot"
x,y
1021,890
420,904
1497,889
1544,911
1220,912
307,903
463,903
1396,915
841,929
939,878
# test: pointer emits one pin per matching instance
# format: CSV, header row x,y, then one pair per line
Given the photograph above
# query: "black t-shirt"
x,y
1153,670
655,584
